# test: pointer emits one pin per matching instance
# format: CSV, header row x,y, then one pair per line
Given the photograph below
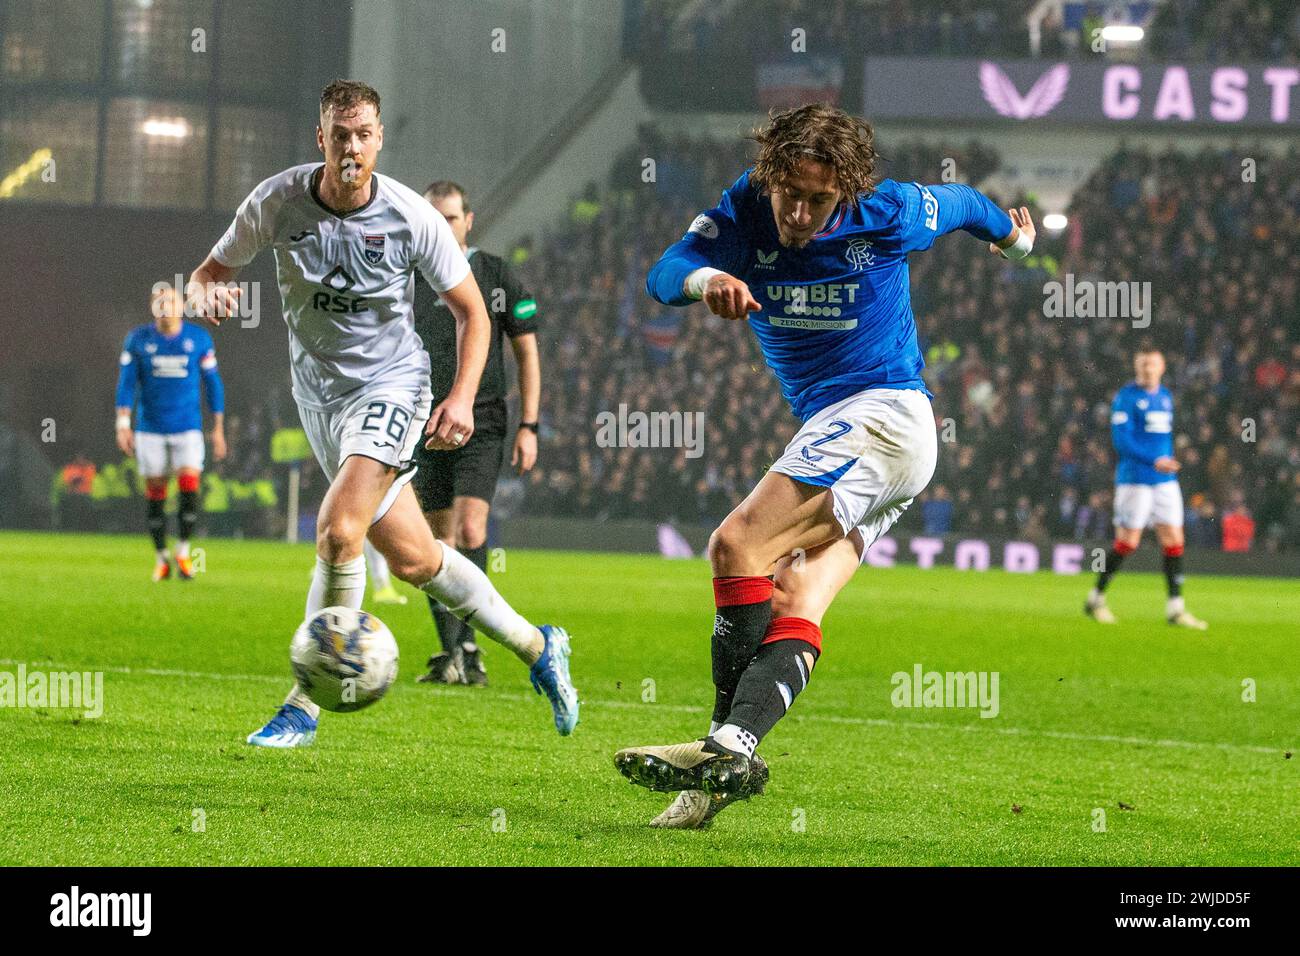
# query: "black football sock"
x,y
158,523
744,610
780,670
187,514
1114,558
1174,571
447,624
477,557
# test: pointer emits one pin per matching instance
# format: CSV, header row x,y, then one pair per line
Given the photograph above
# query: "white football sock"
x,y
378,567
337,585
1174,606
735,738
466,591
332,585
182,549
1095,596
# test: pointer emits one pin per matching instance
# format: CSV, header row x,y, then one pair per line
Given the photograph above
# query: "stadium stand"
x,y
1028,395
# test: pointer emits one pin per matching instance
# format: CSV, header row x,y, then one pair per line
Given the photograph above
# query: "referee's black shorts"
x,y
470,472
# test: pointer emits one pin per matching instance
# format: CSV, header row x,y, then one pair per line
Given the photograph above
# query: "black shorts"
x,y
471,471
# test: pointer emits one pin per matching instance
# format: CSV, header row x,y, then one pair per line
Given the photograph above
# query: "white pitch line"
x,y
692,709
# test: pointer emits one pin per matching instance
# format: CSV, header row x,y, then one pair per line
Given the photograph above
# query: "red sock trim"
x,y
158,493
187,482
1123,549
750,589
796,628
1174,551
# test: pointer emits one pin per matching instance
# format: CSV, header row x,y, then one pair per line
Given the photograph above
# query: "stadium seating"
x,y
1028,395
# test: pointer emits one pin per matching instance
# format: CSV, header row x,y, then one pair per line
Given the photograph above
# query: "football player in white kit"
x,y
346,242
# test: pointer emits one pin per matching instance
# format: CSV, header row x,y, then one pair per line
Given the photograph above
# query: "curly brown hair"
x,y
822,132
345,95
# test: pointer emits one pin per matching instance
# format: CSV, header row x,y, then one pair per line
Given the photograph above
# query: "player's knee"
x,y
339,538
471,533
413,568
727,544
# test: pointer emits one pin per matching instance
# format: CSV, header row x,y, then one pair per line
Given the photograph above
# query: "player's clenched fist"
x,y
450,425
728,297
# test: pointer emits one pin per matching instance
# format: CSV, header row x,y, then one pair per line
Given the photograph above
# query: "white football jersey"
x,y
346,279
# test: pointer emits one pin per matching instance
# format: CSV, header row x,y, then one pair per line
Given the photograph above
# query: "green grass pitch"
x,y
1141,722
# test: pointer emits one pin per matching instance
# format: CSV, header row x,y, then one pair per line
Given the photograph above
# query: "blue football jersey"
x,y
163,372
837,314
1142,430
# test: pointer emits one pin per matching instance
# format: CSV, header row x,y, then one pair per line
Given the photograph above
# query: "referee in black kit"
x,y
455,487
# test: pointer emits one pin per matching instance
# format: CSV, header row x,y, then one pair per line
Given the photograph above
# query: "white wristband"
x,y
1022,247
123,420
696,281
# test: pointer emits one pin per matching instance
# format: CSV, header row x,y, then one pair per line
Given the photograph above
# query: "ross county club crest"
x,y
859,253
374,249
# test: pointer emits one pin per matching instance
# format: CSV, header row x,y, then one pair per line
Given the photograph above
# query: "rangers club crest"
x,y
859,253
374,249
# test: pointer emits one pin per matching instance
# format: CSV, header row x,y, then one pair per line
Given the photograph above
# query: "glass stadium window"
x,y
47,149
251,143
155,44
56,41
156,154
256,50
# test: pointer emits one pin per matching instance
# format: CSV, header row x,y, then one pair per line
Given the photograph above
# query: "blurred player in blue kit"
x,y
1146,487
162,363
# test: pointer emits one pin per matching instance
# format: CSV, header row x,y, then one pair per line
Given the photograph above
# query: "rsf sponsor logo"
x,y
340,303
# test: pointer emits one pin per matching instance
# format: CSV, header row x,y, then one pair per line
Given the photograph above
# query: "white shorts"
x,y
875,451
1141,506
384,423
158,455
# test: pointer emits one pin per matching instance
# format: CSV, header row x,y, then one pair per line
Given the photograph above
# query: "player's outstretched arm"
x,y
1020,239
452,422
211,293
936,210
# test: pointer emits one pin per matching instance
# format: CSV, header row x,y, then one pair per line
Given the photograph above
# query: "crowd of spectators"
x,y
927,27
1023,399
1199,29
1267,30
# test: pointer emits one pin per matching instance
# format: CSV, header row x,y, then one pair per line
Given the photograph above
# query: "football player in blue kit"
x,y
1146,487
162,364
811,248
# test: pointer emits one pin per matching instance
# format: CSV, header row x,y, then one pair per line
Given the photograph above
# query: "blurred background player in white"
x,y
1146,487
161,365
811,247
347,242
381,579
455,488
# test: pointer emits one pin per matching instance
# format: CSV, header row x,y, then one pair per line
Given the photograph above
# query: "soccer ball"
x,y
344,659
